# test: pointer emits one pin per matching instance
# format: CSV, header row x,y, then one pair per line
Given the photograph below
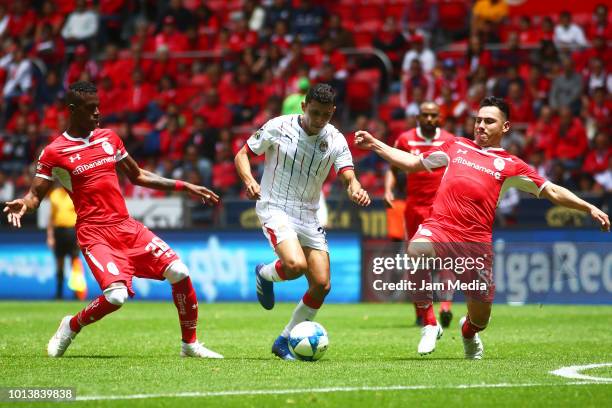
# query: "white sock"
x,y
300,314
268,272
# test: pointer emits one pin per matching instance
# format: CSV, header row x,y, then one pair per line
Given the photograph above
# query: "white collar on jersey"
x,y
420,134
78,139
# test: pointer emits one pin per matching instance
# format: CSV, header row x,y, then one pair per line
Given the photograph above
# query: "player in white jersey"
x,y
299,152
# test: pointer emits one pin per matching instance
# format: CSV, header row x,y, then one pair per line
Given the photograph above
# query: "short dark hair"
x,y
322,93
75,90
499,103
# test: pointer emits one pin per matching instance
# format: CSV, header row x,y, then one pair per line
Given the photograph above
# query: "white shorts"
x,y
278,226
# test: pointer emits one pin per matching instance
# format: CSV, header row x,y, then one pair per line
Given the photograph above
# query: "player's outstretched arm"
x,y
145,178
562,196
390,181
243,167
398,158
353,188
17,208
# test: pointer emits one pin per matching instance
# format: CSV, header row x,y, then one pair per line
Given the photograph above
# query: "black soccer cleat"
x,y
446,316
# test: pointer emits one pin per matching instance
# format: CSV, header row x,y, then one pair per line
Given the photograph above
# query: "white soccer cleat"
x,y
473,347
197,349
61,339
429,335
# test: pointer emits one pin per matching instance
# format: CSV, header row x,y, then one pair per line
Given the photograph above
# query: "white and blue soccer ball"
x,y
308,341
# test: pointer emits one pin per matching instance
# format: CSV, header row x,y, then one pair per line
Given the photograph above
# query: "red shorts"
x,y
472,261
413,217
117,253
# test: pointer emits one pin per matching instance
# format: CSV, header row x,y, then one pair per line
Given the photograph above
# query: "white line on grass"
x,y
574,372
322,390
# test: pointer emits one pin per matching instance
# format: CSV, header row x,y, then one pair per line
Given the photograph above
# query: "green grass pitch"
x,y
373,350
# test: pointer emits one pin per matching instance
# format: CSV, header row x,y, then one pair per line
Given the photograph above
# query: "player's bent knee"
x,y
116,295
176,272
321,288
296,266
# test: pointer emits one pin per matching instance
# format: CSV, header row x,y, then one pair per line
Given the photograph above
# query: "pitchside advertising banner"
x,y
221,264
536,266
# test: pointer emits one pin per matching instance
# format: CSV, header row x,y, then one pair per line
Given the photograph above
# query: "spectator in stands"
x,y
600,26
569,142
81,27
412,79
49,15
18,78
566,88
181,16
193,162
420,15
47,48
7,188
419,51
203,138
170,37
596,160
327,54
537,87
597,76
540,134
476,55
598,110
293,102
527,35
22,20
520,104
279,10
342,37
307,22
604,179
4,20
487,16
138,95
216,113
82,65
568,34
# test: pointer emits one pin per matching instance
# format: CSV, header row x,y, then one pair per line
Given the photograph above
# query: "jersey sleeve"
x,y
527,179
437,156
344,159
46,162
121,153
261,140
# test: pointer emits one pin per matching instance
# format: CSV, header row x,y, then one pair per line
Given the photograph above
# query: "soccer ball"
x,y
308,341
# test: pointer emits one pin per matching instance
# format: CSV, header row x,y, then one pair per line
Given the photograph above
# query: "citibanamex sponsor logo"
x,y
478,167
85,167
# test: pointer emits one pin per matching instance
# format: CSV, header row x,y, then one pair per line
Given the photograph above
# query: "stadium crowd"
x,y
185,82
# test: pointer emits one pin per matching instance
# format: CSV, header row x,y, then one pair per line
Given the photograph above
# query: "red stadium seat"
x,y
452,14
362,90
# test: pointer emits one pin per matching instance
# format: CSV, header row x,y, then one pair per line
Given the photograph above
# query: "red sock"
x,y
468,330
419,312
96,310
279,270
311,302
429,317
187,305
445,306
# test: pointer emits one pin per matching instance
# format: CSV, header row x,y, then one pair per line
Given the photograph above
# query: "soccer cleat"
x,y
197,349
446,316
280,348
429,335
473,347
61,339
265,290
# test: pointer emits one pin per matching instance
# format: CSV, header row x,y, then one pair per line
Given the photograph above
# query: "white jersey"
x,y
296,164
